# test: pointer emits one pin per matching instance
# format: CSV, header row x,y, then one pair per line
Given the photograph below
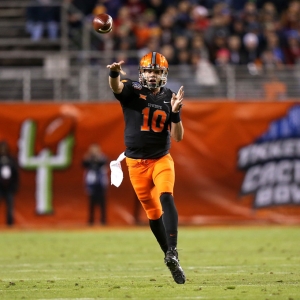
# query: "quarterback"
x,y
152,117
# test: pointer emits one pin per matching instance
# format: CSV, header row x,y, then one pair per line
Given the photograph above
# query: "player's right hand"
x,y
116,67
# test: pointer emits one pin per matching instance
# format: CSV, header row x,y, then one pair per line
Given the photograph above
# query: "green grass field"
x,y
219,262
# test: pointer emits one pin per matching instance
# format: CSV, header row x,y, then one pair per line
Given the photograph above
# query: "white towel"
x,y
116,175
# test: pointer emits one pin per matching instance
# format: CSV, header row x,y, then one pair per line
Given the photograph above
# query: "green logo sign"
x,y
44,163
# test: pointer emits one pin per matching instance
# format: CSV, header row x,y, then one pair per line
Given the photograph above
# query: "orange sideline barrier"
x,y
225,165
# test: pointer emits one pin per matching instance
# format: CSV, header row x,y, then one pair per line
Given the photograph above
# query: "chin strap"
x,y
116,175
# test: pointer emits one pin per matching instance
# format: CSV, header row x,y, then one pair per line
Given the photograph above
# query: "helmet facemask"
x,y
153,61
160,79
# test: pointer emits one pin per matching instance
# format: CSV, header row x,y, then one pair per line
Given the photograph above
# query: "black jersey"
x,y
147,120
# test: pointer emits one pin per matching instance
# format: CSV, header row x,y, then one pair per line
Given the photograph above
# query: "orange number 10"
x,y
153,123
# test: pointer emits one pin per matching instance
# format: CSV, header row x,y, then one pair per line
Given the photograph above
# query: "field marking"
x,y
51,264
72,298
197,297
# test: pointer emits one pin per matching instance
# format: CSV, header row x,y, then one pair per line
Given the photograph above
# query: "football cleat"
x,y
172,262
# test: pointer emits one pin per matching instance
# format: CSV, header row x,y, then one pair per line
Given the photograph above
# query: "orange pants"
x,y
150,178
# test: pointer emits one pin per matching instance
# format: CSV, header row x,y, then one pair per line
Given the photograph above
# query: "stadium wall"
x,y
239,162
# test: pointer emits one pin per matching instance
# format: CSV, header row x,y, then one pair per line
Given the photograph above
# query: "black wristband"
x,y
113,74
175,117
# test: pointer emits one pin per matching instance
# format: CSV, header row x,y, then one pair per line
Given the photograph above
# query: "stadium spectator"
x,y
250,14
200,21
252,53
238,5
237,27
135,7
168,51
166,23
110,7
96,181
123,23
205,73
74,15
181,42
185,68
268,13
80,11
209,26
158,7
218,31
236,55
152,45
183,60
130,60
42,15
270,62
279,4
251,44
123,40
145,28
85,6
219,42
213,3
292,48
273,45
9,180
198,46
222,57
99,8
290,17
183,18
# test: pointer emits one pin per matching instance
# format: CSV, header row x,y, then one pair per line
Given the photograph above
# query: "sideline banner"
x,y
238,162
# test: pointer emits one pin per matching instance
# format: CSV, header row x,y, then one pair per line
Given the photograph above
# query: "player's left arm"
x,y
177,130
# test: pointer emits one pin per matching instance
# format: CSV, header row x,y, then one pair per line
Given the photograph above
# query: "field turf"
x,y
111,263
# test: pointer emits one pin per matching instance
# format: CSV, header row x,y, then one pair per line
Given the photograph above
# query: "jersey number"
x,y
158,120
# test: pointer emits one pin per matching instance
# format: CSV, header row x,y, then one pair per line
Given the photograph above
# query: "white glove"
x,y
116,175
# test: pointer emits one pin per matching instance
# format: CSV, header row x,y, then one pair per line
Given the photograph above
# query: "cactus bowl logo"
x,y
272,163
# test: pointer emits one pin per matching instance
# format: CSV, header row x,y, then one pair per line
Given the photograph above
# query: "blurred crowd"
x,y
43,16
261,32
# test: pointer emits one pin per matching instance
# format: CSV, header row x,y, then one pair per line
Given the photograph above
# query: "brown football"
x,y
102,23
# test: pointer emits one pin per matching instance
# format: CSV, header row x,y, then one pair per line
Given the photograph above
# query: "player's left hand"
x,y
176,101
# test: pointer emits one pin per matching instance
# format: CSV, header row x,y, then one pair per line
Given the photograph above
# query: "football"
x,y
103,23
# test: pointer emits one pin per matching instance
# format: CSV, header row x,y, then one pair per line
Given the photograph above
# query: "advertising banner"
x,y
239,162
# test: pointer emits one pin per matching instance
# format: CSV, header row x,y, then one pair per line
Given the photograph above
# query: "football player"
x,y
152,116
